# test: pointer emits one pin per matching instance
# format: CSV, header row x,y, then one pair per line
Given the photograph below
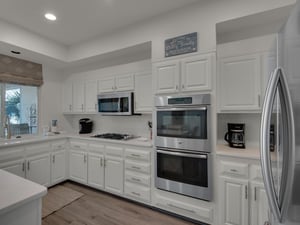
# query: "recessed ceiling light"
x,y
50,16
15,52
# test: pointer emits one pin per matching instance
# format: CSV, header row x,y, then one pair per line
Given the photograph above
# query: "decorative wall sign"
x,y
181,45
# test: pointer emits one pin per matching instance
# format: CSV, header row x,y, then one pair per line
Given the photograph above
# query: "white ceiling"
x,y
82,20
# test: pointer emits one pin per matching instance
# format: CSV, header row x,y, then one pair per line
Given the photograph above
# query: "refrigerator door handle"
x,y
278,204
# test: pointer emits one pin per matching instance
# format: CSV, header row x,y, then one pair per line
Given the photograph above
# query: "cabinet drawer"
x,y
237,169
114,151
138,192
97,148
78,145
137,178
185,209
58,145
139,167
36,149
137,154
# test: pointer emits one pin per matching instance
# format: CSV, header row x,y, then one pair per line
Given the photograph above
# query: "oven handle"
x,y
201,156
180,108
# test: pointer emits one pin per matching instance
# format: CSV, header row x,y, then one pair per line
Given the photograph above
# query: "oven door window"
x,y
188,170
108,105
182,124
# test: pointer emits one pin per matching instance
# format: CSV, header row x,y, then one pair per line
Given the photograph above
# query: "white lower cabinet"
x,y
16,167
58,167
234,201
78,166
38,169
114,170
96,170
259,204
243,199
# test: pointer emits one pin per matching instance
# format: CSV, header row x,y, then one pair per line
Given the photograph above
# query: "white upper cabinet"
x,y
116,83
143,97
239,83
78,96
188,74
244,68
196,73
91,101
67,97
166,77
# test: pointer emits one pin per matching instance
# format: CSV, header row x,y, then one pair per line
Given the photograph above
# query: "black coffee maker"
x,y
235,135
85,126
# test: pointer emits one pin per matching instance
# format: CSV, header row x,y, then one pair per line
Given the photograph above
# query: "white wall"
x,y
50,99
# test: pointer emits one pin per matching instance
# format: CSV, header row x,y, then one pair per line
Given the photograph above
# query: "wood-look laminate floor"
x,y
98,208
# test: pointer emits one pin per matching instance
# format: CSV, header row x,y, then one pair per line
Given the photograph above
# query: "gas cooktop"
x,y
115,136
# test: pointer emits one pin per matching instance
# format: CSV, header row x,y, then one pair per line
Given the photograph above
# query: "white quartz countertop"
x,y
140,141
249,152
16,191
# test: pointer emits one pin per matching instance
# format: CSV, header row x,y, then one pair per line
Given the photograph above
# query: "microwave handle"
x,y
201,156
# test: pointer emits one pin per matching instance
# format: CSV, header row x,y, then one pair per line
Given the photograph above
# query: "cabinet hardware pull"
x,y
28,165
76,146
84,158
104,162
82,107
176,87
23,166
182,86
135,179
255,197
135,193
53,158
177,207
115,87
101,162
135,155
246,192
70,107
233,170
136,167
258,100
96,106
112,87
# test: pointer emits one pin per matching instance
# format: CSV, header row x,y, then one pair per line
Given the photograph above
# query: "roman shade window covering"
x,y
18,71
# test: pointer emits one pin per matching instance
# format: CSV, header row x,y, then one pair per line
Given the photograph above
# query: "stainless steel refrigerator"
x,y
280,128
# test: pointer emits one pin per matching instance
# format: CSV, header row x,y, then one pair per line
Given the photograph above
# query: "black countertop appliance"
x,y
85,126
235,135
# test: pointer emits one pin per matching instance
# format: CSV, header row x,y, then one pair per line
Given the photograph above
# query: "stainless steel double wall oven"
x,y
183,145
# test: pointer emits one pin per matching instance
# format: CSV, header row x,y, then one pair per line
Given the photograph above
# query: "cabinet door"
x,y
91,91
58,167
114,177
38,169
107,84
96,170
166,77
67,97
234,208
196,73
259,205
124,82
143,93
78,96
16,167
78,166
239,83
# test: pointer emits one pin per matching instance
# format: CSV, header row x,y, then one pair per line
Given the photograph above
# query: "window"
x,y
19,103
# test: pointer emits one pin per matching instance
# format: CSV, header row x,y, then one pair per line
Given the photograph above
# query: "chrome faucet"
x,y
7,130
